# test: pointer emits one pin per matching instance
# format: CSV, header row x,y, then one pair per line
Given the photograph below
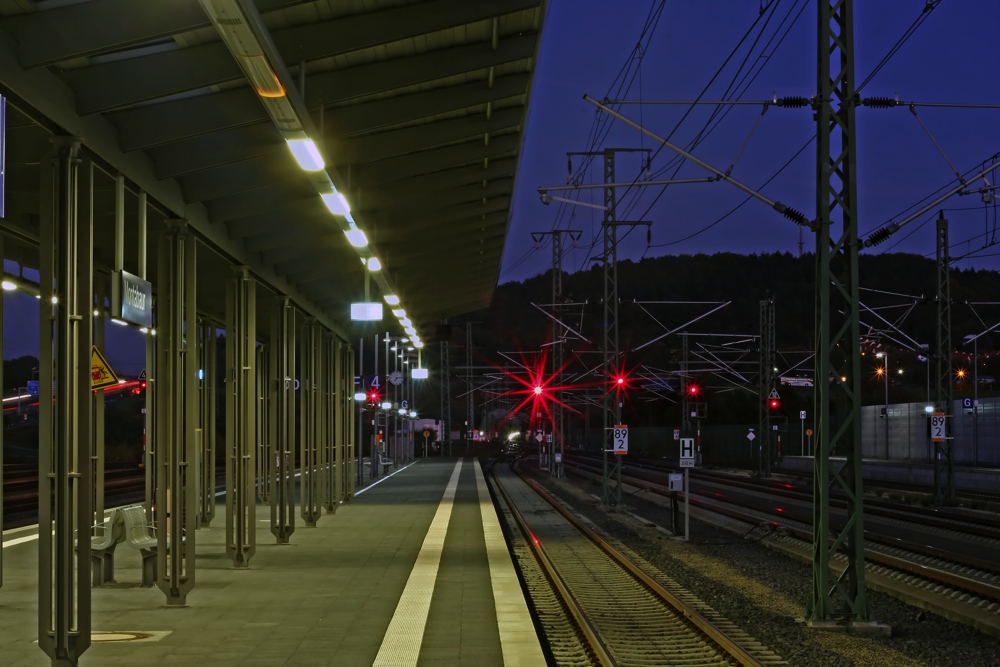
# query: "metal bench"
x,y
386,464
141,535
102,547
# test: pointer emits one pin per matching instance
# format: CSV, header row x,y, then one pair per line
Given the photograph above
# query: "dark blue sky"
x,y
951,57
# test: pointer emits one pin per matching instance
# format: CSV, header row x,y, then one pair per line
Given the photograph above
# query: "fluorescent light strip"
x,y
306,154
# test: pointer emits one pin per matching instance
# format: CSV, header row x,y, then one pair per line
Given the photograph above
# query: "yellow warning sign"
x,y
101,374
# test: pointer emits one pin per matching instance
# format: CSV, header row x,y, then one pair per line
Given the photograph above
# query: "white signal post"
x,y
686,459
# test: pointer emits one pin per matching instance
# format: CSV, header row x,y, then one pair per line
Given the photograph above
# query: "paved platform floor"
x,y
413,572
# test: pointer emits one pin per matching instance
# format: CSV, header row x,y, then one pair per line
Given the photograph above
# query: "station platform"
x,y
414,571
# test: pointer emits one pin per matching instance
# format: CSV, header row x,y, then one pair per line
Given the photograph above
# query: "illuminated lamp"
x,y
366,312
306,154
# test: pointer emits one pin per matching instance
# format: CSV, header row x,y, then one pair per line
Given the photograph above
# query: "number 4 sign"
x,y
620,439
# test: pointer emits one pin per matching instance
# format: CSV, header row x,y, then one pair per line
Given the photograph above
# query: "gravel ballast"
x,y
766,592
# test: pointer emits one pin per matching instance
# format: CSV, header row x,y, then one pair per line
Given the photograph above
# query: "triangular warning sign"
x,y
101,374
773,394
142,375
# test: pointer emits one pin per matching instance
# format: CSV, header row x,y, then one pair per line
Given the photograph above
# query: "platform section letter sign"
x,y
687,452
620,439
938,428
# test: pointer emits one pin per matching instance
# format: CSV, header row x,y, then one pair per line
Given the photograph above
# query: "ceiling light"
x,y
418,344
356,238
360,396
392,299
306,154
366,312
122,323
405,321
399,312
374,264
336,203
410,330
419,374
8,285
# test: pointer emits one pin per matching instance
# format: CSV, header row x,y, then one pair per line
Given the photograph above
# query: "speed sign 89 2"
x,y
620,439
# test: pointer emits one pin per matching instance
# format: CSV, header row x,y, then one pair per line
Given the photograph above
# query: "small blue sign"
x,y
33,387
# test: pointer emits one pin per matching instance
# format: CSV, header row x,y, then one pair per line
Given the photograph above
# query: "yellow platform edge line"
x,y
401,643
518,638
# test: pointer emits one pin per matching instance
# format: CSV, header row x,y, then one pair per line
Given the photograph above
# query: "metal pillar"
x,y
242,404
944,464
265,448
281,461
149,431
66,325
310,422
359,445
766,375
470,405
97,459
2,111
347,451
177,407
207,348
838,368
445,434
333,463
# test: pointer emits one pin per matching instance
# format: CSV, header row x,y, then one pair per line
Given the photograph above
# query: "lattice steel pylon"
x,y
944,464
840,599
612,408
557,351
767,364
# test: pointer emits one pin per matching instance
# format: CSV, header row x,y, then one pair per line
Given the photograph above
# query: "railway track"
x,y
961,581
598,606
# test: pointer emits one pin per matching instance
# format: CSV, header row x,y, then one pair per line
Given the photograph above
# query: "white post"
x,y
687,507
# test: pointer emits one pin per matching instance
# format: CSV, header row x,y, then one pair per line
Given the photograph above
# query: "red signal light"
x,y
620,381
538,390
774,404
693,390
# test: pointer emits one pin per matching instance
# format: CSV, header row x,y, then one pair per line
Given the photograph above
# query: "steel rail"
x,y
702,624
591,635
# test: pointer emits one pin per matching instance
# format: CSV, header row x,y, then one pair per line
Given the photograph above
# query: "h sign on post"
x,y
687,453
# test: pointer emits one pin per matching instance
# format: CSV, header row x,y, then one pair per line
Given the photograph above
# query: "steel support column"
x,y
470,405
207,347
177,407
347,452
282,389
241,417
64,396
944,464
97,459
265,448
333,437
2,112
310,427
837,599
445,435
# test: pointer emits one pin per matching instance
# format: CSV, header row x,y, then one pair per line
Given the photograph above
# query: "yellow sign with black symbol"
x,y
101,375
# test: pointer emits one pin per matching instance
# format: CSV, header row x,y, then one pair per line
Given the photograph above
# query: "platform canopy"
x,y
417,110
